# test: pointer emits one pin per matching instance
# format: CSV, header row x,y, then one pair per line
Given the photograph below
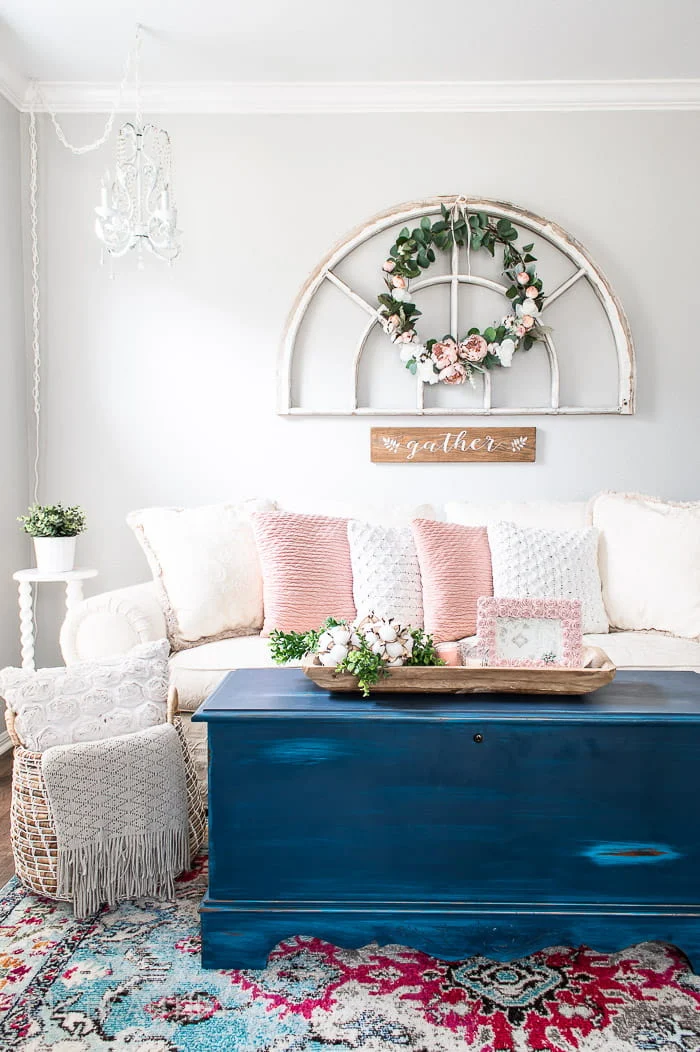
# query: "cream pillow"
x,y
549,514
91,700
649,562
205,564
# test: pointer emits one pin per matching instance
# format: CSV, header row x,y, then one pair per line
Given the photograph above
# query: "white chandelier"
x,y
137,208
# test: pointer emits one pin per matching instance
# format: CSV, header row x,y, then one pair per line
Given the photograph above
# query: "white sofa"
x,y
113,622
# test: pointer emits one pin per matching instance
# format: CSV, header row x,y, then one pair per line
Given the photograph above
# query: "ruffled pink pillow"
x,y
306,569
455,567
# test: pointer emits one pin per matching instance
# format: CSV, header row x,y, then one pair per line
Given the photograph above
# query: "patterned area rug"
x,y
130,979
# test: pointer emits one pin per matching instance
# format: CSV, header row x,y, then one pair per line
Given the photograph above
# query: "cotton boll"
x,y
378,647
395,650
370,638
387,632
340,634
326,660
337,654
325,641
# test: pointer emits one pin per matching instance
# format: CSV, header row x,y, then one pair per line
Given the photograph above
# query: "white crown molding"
x,y
375,97
13,86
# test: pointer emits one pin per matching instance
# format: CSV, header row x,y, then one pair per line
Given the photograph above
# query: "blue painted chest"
x,y
454,824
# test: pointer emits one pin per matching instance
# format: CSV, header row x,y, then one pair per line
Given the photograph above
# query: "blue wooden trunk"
x,y
492,824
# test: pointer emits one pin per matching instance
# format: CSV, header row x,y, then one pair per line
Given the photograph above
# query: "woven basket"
x,y
32,831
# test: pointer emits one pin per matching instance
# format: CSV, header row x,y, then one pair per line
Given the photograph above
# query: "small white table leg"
x,y
26,624
74,593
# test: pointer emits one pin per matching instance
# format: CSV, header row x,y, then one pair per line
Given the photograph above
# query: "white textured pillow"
x,y
205,564
649,562
385,572
528,562
91,700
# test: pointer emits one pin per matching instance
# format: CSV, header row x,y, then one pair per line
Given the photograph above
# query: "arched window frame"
x,y
408,212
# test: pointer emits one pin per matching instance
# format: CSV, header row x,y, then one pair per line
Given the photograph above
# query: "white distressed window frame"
x,y
586,270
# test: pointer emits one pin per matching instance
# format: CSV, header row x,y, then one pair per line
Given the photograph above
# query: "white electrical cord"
x,y
132,57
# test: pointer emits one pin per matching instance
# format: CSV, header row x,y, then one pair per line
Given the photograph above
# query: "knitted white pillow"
x,y
205,565
529,562
385,572
91,700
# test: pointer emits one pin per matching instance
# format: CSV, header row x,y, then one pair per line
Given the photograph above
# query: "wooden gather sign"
x,y
429,445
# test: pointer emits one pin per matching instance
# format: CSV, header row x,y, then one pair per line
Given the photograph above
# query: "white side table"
x,y
73,580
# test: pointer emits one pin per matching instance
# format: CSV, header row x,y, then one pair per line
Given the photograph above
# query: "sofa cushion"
x,y
205,564
649,562
549,514
648,650
198,671
382,514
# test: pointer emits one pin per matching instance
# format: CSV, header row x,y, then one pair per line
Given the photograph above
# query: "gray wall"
x,y
160,385
14,550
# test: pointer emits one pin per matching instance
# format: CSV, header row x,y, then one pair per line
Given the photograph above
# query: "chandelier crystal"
x,y
137,208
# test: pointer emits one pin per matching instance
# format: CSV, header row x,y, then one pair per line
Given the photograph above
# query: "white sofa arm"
x,y
112,623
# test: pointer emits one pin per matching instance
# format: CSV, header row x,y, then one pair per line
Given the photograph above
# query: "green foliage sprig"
x,y
53,520
361,660
294,646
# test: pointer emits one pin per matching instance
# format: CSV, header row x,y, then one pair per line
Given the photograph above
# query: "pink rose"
x,y
532,293
394,321
445,353
398,282
453,374
523,277
389,266
528,321
520,331
407,337
474,348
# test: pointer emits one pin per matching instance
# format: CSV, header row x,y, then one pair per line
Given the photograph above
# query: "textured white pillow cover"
x,y
385,572
205,564
528,562
91,700
649,562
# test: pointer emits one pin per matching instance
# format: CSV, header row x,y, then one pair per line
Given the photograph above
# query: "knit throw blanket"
x,y
120,812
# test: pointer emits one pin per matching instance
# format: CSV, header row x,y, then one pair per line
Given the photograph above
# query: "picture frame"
x,y
530,633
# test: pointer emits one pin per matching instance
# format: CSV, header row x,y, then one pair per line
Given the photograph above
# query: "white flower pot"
x,y
54,554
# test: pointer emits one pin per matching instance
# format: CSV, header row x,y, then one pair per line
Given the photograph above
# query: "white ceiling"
x,y
360,40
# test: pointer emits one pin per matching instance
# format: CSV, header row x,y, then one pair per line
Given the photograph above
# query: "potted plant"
x,y
54,529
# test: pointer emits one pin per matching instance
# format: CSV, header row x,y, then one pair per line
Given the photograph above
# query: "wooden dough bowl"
x,y
463,679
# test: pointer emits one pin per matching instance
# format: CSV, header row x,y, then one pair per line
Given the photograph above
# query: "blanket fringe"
x,y
122,867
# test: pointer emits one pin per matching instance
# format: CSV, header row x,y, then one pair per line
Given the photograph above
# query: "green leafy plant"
x,y
361,661
293,646
53,520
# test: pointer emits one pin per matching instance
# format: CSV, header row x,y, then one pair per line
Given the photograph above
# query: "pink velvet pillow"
x,y
306,569
455,567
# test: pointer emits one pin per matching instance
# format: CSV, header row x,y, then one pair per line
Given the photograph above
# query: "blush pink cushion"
x,y
455,567
306,570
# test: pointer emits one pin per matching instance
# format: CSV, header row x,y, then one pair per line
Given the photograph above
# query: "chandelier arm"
x,y
132,57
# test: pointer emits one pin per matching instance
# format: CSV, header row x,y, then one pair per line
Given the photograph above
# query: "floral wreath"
x,y
452,360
